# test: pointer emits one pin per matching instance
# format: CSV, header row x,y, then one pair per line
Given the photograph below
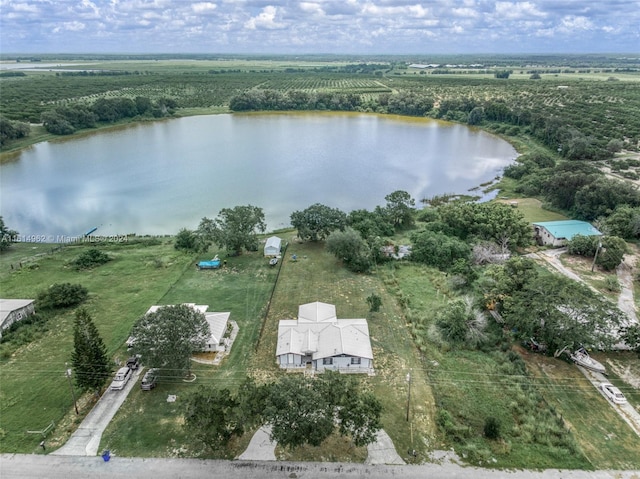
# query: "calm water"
x,y
157,178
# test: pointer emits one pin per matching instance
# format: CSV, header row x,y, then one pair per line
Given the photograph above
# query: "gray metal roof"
x,y
321,334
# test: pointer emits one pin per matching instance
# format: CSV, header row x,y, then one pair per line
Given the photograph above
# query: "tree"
x,y
89,357
304,410
460,322
623,222
476,116
168,337
190,241
400,208
7,236
611,253
360,418
349,247
235,228
437,249
213,416
631,337
317,222
497,222
602,196
298,413
560,312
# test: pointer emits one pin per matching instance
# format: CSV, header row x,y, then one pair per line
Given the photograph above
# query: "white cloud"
x,y
203,7
516,10
571,23
265,20
74,26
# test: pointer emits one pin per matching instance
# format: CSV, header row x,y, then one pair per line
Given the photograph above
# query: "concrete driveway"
x,y
86,440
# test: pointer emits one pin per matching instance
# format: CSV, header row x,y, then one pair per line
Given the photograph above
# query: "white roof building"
x,y
319,340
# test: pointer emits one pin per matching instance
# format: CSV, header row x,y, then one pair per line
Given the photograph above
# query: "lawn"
x,y
34,388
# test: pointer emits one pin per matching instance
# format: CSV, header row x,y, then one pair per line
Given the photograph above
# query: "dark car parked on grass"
x,y
149,380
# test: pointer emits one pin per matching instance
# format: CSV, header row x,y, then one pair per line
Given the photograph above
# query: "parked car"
x,y
121,379
149,379
613,394
133,363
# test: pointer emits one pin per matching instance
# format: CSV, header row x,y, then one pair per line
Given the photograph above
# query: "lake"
x,y
155,178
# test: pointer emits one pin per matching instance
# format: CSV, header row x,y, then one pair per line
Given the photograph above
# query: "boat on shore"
x,y
581,358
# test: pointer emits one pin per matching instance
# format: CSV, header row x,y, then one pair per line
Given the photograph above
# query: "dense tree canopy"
x,y
497,222
302,410
235,228
561,312
168,337
317,222
437,249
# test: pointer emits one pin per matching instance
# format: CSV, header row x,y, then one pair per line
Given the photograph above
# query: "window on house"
x,y
327,361
356,360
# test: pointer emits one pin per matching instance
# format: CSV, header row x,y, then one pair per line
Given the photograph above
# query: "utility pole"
x,y
73,394
408,393
595,256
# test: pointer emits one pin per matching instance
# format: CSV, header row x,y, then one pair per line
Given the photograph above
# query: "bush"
x,y
90,259
492,428
62,296
374,301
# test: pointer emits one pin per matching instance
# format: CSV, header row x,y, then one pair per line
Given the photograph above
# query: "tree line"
x,y
66,119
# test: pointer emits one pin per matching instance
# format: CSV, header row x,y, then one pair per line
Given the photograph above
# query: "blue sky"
x,y
319,26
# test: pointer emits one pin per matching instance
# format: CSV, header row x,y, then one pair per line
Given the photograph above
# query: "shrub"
x,y
62,295
374,301
90,259
492,428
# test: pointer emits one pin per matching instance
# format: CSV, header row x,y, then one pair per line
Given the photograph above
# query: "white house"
x,y
273,246
217,326
320,341
12,310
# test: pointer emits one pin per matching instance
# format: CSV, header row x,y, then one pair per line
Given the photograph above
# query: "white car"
x,y
121,379
612,393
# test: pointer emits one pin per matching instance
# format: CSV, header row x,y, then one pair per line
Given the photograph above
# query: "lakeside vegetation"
x,y
455,387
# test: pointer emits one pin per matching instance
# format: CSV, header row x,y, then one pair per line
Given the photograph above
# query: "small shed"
x,y
12,310
557,233
273,246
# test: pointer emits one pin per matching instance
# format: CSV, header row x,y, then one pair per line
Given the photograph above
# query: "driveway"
x,y
85,441
626,411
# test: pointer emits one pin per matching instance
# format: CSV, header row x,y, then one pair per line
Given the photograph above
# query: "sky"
x,y
319,26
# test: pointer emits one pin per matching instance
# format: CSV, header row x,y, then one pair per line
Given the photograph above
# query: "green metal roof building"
x,y
557,233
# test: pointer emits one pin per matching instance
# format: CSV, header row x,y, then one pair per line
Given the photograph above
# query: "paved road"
x,y
85,441
23,466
